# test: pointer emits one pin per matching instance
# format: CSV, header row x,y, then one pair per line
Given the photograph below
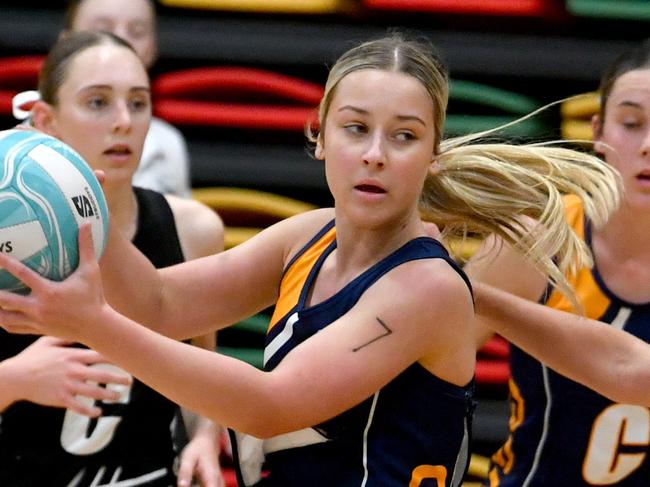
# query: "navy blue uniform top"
x,y
562,433
412,432
131,442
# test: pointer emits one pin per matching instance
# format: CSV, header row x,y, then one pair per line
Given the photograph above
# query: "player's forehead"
x,y
96,65
92,12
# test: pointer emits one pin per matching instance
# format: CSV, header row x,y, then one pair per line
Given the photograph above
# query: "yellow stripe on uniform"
x,y
295,277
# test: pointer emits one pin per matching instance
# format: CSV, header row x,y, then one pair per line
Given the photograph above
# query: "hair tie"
x,y
22,103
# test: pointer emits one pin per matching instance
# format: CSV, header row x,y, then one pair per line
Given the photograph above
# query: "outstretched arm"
x,y
205,294
291,396
497,264
606,359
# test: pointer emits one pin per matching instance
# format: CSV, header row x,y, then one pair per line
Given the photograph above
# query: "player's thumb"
x,y
86,247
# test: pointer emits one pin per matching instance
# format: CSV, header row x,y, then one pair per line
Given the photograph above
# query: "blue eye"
x,y
355,128
139,104
405,136
96,102
631,124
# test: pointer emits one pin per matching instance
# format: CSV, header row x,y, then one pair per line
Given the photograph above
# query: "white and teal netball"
x,y
47,191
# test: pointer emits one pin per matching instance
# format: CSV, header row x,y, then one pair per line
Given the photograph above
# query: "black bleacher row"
x,y
546,60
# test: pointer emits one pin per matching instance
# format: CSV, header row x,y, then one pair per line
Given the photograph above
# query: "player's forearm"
x,y
608,360
131,283
195,424
226,390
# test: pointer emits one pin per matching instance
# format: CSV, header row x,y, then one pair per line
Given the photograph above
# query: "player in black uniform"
x,y
120,435
563,433
372,318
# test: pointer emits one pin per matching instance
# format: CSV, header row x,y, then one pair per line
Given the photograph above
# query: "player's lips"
x,y
643,180
118,150
370,186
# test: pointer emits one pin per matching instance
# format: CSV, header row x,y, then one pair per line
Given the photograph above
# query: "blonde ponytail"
x,y
486,188
491,188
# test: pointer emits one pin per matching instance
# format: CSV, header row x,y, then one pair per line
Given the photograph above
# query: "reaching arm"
x,y
205,294
606,359
291,396
498,264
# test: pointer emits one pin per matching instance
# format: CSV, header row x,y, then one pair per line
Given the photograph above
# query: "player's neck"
x,y
626,233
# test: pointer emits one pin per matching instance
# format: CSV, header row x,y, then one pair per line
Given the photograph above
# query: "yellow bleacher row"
x,y
266,6
275,207
576,116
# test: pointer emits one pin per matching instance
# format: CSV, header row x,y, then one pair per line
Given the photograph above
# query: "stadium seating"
x,y
235,97
610,9
246,211
486,107
17,74
267,6
576,116
528,8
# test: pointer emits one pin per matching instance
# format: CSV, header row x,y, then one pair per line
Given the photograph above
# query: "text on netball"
x,y
83,206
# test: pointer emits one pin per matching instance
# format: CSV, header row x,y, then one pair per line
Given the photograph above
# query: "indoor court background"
x,y
240,78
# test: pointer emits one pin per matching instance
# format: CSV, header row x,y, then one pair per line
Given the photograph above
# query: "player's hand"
x,y
64,309
22,126
199,460
51,373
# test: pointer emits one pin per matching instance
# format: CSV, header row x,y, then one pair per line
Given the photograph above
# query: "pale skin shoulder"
x,y
445,299
200,229
215,281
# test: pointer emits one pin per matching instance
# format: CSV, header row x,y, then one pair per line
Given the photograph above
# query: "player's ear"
x,y
44,119
597,131
319,153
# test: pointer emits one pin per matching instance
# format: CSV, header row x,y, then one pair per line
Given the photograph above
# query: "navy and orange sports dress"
x,y
562,433
413,432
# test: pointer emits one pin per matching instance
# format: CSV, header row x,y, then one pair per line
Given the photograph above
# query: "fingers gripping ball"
x,y
46,192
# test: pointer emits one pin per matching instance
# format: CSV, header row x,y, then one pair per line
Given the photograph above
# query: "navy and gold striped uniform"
x,y
562,433
131,443
413,432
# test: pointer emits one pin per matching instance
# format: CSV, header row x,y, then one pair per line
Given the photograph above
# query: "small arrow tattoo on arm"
x,y
387,332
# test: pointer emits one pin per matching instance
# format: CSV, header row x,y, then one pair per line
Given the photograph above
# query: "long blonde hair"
x,y
483,188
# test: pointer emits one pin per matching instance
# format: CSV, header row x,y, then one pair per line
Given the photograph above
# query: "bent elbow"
x,y
265,428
